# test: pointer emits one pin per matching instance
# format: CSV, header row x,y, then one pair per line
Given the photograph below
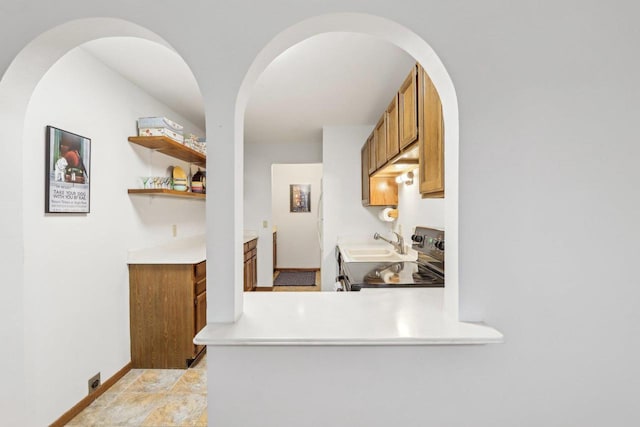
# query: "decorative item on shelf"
x,y
196,143
199,182
180,182
160,126
155,182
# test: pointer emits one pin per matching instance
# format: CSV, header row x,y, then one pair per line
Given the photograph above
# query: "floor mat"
x,y
295,278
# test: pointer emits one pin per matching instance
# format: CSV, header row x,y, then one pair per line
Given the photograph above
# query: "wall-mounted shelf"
x,y
166,192
171,148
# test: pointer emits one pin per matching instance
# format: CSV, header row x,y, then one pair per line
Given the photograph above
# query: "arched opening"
x,y
423,54
70,312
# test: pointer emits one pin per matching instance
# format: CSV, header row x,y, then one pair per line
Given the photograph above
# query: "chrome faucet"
x,y
398,246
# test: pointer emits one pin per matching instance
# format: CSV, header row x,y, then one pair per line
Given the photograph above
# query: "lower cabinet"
x,y
251,265
168,307
275,251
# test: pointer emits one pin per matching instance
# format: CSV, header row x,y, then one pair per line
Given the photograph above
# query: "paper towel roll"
x,y
388,214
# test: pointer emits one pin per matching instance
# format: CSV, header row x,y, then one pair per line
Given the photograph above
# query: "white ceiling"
x,y
329,79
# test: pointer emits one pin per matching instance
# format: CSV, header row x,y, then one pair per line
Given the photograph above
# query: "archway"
x,y
420,50
18,84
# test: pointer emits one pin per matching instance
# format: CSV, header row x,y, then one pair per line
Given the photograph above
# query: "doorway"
x,y
296,215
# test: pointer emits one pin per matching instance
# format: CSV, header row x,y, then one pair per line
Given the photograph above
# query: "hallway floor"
x,y
316,287
152,397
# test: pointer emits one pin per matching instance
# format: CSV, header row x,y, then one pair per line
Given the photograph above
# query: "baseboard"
x,y
298,269
263,289
88,400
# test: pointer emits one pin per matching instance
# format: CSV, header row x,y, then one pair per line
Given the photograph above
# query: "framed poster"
x,y
300,198
67,173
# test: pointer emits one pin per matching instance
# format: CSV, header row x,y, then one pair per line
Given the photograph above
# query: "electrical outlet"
x,y
94,383
174,230
265,224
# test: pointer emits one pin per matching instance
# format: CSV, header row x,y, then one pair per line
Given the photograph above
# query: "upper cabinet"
x,y
409,134
376,191
431,145
391,118
380,142
408,109
364,153
372,154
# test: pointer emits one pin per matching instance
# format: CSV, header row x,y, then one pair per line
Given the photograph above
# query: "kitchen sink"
x,y
371,254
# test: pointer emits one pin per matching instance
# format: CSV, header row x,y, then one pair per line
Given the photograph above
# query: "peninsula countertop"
x,y
378,317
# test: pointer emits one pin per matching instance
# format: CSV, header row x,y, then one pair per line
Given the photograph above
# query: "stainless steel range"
x,y
426,271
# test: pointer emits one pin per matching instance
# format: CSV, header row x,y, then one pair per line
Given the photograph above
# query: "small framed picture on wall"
x,y
300,198
67,174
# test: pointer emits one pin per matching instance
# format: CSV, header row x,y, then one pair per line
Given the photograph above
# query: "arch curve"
x,y
422,52
17,85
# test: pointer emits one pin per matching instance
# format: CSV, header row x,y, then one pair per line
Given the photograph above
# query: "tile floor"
x,y
159,397
152,397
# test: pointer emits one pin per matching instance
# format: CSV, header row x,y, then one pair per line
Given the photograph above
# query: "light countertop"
x,y
249,236
190,250
379,317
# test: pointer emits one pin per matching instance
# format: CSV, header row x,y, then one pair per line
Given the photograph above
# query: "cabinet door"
x,y
372,153
254,270
432,141
365,173
380,138
383,192
247,268
200,317
408,110
391,116
275,251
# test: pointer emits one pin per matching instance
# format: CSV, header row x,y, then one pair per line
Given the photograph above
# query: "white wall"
x,y
258,159
414,211
548,100
344,215
298,238
76,278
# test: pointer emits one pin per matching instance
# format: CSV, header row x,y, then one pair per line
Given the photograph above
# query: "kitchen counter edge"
x,y
378,318
189,250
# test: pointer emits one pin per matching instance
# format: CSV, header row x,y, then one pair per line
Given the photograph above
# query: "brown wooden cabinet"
x,y
372,154
408,110
168,307
391,118
275,250
251,265
431,145
364,178
380,142
376,191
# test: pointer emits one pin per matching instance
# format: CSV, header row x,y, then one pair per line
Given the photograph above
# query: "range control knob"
x,y
417,238
439,244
